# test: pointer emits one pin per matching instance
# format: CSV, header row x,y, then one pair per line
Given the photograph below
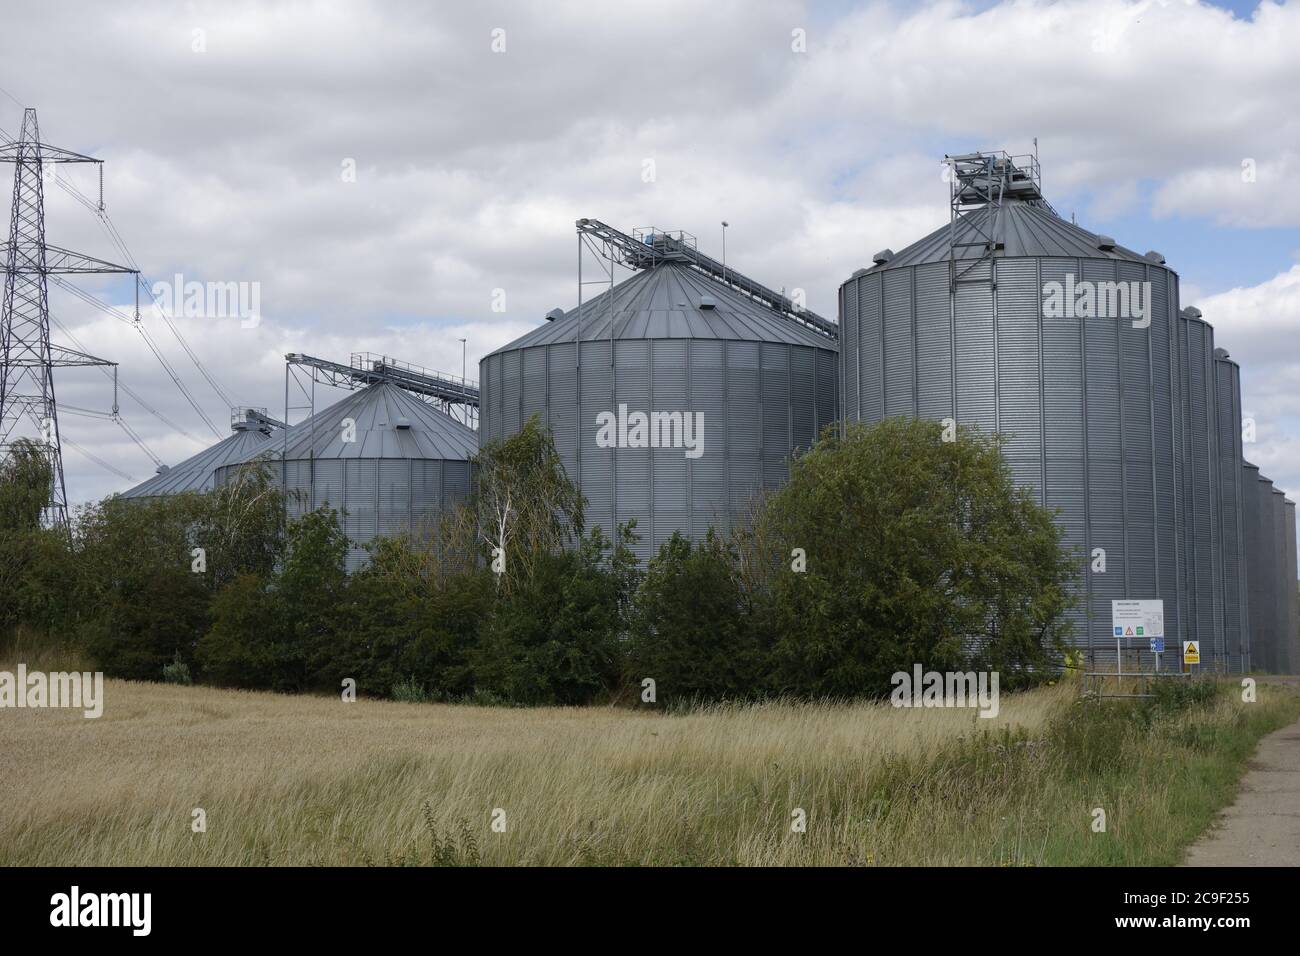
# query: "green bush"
x,y
556,637
35,562
277,632
888,547
918,550
693,630
399,620
141,595
410,691
177,672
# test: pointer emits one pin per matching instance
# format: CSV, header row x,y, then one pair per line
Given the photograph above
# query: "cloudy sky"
x,y
381,170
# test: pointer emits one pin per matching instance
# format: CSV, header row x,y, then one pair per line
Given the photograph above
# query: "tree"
x,y
917,550
248,644
241,526
693,631
556,637
25,480
524,506
35,562
277,631
148,568
140,601
402,623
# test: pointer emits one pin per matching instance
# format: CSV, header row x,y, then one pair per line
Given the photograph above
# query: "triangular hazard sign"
x,y
1128,632
1190,648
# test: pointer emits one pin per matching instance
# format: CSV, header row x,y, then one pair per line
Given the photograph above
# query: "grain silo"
x,y
1231,512
1265,608
1273,614
1258,561
389,461
251,430
1292,594
1283,588
670,353
1012,319
1201,546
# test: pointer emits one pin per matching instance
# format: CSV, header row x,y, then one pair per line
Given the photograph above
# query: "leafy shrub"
x,y
410,691
177,672
555,638
692,629
918,550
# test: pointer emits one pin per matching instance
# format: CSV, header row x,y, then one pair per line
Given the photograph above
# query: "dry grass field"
x,y
312,780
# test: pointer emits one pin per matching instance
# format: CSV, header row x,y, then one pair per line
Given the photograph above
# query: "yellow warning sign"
x,y
1191,652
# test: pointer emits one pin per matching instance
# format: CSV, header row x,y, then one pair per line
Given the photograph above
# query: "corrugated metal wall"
x,y
1264,605
760,402
1227,390
380,496
1203,560
1283,587
1092,409
1293,596
1258,623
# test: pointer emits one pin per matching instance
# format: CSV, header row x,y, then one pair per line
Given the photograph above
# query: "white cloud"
x,y
473,165
1257,325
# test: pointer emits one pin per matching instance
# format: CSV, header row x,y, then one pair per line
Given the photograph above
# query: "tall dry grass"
x,y
309,780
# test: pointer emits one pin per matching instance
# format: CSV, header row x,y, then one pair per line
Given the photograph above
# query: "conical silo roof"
x,y
671,301
390,423
1021,228
197,473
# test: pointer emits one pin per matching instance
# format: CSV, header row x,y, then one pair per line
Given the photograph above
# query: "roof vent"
x,y
402,423
1191,312
1105,243
708,302
1156,257
1221,354
162,469
883,256
554,314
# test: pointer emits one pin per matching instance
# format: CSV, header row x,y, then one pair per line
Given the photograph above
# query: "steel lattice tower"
x,y
27,359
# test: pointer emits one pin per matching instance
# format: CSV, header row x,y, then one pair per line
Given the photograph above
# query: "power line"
x,y
131,434
96,459
63,439
122,385
116,238
148,340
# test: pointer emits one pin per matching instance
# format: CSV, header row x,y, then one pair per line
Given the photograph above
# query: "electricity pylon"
x,y
27,359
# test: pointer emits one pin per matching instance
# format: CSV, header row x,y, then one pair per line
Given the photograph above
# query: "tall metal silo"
x,y
1258,623
1284,587
665,341
1227,405
1202,556
1266,634
388,461
969,323
251,430
1292,594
